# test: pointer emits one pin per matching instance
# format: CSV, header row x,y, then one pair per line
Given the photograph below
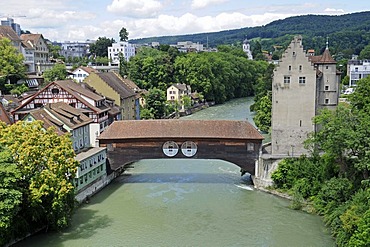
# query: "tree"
x,y
11,64
100,47
47,170
156,103
365,53
10,196
123,34
57,72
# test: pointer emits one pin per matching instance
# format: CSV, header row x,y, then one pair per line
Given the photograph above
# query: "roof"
x,y
170,128
86,69
8,32
327,58
48,121
117,83
4,115
74,89
68,115
181,86
31,37
90,152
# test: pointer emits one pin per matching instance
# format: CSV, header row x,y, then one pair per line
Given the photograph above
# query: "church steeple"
x,y
246,48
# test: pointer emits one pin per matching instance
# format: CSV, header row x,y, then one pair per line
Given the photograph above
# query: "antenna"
x,y
327,42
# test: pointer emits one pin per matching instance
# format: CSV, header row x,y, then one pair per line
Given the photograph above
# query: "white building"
x,y
125,48
176,92
247,49
186,46
357,69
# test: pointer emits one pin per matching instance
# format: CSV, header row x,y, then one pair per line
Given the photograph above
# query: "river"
x,y
188,202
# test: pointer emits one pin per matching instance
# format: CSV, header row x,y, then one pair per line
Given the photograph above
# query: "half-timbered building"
x,y
76,95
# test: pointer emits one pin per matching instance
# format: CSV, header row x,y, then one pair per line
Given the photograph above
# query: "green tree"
x,y
10,196
47,170
156,103
57,72
11,64
100,47
365,53
123,34
262,118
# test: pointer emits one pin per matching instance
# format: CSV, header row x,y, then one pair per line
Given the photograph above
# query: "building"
x,y
78,96
8,32
188,46
126,49
40,51
77,49
357,70
15,26
81,73
303,84
113,86
176,92
247,49
66,119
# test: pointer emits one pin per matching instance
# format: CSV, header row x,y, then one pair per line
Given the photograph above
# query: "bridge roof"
x,y
170,128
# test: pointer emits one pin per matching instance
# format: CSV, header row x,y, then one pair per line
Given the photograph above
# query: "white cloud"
x,y
334,11
198,4
137,8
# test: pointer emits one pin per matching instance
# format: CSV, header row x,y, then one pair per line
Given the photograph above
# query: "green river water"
x,y
188,202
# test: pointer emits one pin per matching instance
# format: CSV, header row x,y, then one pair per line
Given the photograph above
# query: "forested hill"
x,y
350,31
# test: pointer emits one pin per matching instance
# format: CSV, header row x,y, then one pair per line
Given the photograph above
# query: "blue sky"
x,y
80,20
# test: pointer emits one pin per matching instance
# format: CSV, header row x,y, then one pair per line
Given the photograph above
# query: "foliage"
x,y
348,34
46,166
262,119
57,72
365,53
10,196
11,64
155,104
100,47
123,34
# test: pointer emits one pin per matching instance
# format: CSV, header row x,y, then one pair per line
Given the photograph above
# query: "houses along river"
x,y
188,202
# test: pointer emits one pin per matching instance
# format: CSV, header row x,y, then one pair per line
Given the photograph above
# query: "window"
x,y
327,67
300,67
326,88
290,68
250,146
293,53
302,80
55,91
286,79
326,101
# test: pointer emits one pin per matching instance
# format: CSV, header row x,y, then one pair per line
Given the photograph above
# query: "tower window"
x,y
302,80
300,67
326,88
326,101
287,79
290,68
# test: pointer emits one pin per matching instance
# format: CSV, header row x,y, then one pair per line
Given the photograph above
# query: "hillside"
x,y
347,33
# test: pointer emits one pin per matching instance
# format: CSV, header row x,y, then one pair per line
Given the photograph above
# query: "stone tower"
x,y
302,85
247,49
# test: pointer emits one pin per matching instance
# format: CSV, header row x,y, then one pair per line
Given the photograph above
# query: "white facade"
x,y
176,92
126,49
247,49
186,46
358,69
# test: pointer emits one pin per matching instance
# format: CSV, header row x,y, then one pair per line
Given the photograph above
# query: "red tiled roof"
x,y
214,129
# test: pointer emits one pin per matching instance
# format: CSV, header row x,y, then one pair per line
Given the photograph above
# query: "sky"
x,y
80,20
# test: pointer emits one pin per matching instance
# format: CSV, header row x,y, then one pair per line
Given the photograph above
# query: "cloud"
x,y
334,11
137,8
199,4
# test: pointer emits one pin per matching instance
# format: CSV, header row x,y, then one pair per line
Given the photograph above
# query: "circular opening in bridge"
x,y
189,148
170,148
